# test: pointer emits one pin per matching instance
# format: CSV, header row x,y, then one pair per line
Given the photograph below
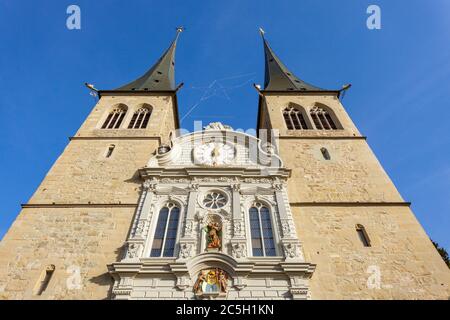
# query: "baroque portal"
x,y
231,217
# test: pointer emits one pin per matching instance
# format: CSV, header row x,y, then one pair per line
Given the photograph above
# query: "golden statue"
x,y
213,230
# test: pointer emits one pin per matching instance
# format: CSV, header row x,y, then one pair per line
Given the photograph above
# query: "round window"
x,y
214,200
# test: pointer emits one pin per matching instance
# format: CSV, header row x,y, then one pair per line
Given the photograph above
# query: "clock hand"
x,y
215,154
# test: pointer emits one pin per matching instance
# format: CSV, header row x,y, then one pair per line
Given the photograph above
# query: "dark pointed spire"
x,y
160,77
278,77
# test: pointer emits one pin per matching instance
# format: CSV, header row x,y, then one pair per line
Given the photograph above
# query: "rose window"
x,y
214,200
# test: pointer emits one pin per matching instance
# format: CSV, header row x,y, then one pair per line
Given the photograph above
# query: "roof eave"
x,y
135,92
302,92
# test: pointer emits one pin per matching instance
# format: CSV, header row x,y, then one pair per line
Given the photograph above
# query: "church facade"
x,y
132,209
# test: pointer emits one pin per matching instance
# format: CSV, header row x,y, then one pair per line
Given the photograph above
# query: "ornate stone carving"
x,y
299,293
186,250
133,250
217,126
150,185
175,180
122,292
140,229
193,187
215,179
277,186
189,228
291,250
238,250
238,229
257,180
287,228
265,198
200,215
211,282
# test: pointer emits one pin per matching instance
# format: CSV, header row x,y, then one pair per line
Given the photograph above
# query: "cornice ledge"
x,y
77,205
352,203
167,172
303,267
115,138
323,137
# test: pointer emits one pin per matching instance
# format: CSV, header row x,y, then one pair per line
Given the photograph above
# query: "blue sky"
x,y
400,76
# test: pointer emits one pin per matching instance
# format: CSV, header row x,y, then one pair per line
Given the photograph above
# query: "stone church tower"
x,y
134,210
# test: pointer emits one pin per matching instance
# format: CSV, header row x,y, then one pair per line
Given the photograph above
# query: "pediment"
x,y
217,149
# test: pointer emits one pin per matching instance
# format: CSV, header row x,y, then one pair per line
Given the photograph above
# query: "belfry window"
x,y
263,243
140,118
166,231
322,119
294,119
115,118
362,234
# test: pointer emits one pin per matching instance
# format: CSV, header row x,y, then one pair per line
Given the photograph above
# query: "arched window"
x,y
263,243
363,236
114,118
166,232
322,119
140,118
294,119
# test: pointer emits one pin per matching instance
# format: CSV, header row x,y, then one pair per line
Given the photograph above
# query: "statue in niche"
x,y
212,281
213,232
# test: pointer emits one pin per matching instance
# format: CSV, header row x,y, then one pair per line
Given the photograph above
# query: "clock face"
x,y
214,154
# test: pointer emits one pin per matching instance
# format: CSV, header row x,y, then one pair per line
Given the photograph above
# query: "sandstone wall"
x,y
84,239
352,174
409,267
83,174
80,214
328,199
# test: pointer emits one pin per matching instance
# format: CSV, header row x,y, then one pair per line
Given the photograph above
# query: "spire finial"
x,y
261,31
180,29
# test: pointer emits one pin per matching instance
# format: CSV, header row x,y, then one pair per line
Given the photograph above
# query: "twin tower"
x,y
126,213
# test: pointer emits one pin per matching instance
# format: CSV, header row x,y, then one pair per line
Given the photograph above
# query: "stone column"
x,y
135,244
292,248
238,241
